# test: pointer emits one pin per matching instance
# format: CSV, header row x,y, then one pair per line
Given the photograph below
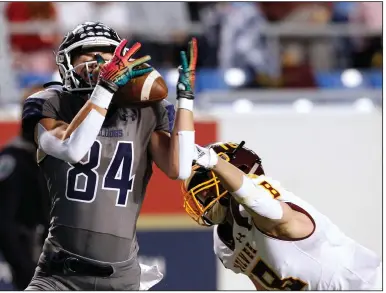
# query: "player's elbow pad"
x,y
74,148
185,153
258,199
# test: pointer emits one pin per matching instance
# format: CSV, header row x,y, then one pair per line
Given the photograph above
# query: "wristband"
x,y
183,103
101,97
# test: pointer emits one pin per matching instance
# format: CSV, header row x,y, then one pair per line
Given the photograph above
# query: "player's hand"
x,y
205,157
187,71
119,70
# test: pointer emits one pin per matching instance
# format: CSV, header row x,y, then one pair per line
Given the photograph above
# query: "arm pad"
x,y
258,199
74,148
185,153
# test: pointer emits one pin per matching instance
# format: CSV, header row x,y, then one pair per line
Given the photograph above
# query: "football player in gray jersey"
x,y
97,159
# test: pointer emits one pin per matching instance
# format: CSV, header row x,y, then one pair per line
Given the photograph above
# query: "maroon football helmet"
x,y
203,189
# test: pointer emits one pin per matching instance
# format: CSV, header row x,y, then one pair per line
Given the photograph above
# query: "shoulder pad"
x,y
33,104
57,84
43,104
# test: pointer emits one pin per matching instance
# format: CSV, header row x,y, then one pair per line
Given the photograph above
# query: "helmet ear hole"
x,y
244,168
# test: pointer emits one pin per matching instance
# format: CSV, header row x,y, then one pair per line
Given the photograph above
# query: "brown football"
x,y
143,90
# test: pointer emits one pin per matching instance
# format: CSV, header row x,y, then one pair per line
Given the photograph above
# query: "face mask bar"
x,y
84,81
80,83
86,68
72,81
194,207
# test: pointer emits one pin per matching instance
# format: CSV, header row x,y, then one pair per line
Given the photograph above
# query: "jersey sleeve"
x,y
165,116
44,104
273,188
278,192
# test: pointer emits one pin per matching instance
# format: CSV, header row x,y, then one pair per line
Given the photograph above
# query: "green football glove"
x,y
187,72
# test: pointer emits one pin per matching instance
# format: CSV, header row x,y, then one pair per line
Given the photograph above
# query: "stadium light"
x,y
364,105
235,77
303,106
242,106
351,78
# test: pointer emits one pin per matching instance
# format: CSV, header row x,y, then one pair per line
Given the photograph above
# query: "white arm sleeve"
x,y
258,199
186,148
74,148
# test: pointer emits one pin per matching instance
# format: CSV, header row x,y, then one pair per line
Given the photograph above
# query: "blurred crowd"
x,y
231,34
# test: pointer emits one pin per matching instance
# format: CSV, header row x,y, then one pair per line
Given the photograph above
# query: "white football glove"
x,y
205,157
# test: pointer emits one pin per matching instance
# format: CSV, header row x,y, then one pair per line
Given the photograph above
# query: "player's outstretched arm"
x,y
71,142
258,197
174,155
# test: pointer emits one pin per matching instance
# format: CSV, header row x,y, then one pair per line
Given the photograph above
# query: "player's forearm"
x,y
184,120
182,142
80,117
235,181
99,102
79,136
230,176
255,198
183,146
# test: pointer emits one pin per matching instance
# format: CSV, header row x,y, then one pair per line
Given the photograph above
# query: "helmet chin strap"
x,y
207,220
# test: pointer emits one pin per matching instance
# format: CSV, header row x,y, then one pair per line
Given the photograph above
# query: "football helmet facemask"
x,y
86,37
202,191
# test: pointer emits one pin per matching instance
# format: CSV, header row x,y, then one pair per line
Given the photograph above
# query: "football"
x,y
142,90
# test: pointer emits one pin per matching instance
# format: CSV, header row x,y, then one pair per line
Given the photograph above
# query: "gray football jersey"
x,y
96,202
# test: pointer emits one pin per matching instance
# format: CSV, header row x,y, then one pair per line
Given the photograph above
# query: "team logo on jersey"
x,y
128,115
245,257
240,237
110,133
